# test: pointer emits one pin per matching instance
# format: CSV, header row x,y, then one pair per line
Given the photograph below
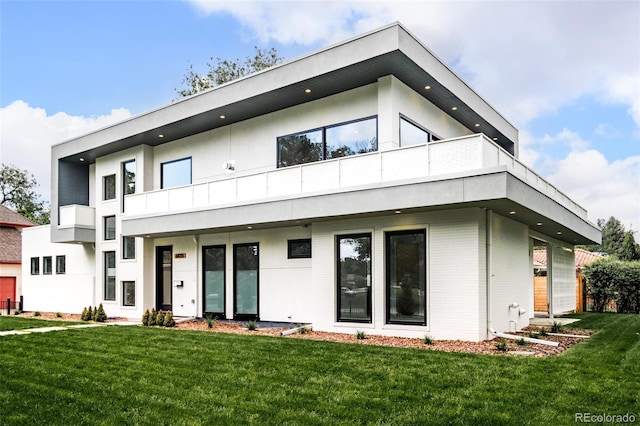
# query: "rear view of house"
x,y
361,187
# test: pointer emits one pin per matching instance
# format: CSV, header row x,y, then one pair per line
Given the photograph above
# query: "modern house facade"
x,y
361,187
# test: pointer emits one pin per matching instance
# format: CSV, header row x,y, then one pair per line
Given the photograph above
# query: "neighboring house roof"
x,y
10,218
582,257
10,235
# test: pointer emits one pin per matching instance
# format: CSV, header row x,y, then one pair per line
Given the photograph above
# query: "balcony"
x,y
469,155
77,224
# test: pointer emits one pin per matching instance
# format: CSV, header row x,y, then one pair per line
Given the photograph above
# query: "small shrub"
x,y
543,332
303,329
58,314
152,316
361,335
211,320
252,325
85,316
37,314
145,318
427,340
17,312
168,320
533,334
94,313
555,327
160,318
501,345
101,315
521,342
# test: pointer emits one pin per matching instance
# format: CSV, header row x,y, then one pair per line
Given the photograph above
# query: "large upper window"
x,y
412,134
341,140
176,173
109,227
354,277
109,187
109,275
129,177
406,277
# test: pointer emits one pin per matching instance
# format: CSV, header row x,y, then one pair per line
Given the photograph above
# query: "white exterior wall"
x,y
454,278
67,293
563,279
511,280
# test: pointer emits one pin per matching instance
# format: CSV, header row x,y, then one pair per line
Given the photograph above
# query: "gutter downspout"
x,y
489,267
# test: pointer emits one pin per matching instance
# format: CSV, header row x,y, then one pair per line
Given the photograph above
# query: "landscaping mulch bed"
x,y
484,347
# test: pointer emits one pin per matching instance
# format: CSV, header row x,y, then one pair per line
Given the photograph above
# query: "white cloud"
x,y
27,133
526,58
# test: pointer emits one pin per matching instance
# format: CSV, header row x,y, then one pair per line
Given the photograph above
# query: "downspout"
x,y
489,267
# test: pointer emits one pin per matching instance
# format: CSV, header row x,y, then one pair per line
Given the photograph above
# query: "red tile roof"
x,y
582,257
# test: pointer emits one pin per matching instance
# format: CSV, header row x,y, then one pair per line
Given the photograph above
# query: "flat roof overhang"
x,y
391,50
497,190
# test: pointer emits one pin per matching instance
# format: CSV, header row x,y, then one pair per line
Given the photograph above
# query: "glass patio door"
x,y
245,281
213,268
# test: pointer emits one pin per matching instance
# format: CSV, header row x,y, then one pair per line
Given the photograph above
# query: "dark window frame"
x,y
107,236
106,196
125,253
106,276
35,266
245,316
430,135
61,264
125,181
224,280
323,131
47,265
387,284
124,293
339,285
162,172
291,252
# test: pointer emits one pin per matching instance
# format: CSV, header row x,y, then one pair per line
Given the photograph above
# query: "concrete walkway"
x,y
549,321
62,328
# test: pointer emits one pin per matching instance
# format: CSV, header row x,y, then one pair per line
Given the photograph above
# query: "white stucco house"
x,y
361,187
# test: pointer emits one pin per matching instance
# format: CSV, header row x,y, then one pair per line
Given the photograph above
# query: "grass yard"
x,y
21,323
135,375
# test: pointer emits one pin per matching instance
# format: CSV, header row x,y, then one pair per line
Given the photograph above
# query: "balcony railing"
x,y
443,157
77,216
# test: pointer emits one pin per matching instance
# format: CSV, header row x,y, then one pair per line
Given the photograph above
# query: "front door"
x,y
164,274
245,281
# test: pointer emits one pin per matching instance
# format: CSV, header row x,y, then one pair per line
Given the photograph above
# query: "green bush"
x,y
152,316
58,314
611,279
556,327
94,313
521,342
85,316
252,325
168,320
501,345
427,340
145,318
100,314
37,314
211,320
160,318
361,335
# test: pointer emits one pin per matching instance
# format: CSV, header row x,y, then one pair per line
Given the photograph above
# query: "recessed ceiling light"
x,y
161,135
454,108
307,90
249,227
495,139
559,232
398,211
477,124
512,212
427,87
539,223
222,117
81,159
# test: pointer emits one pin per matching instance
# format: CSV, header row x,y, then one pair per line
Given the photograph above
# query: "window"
x,y
128,179
61,264
406,277
176,173
128,247
341,140
109,275
47,265
35,266
109,187
128,293
354,277
213,268
109,227
412,134
246,267
299,249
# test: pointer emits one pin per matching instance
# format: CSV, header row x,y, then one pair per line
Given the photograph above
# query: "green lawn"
x,y
152,376
21,323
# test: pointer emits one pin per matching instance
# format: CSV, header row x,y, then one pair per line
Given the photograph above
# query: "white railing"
x,y
77,216
443,157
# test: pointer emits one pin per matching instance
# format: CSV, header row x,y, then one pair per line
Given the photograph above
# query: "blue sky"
x,y
566,74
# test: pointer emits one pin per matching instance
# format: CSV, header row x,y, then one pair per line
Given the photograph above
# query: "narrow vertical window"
x,y
128,247
213,268
354,277
109,275
35,266
109,187
246,280
109,227
128,293
406,277
412,134
128,179
61,264
47,266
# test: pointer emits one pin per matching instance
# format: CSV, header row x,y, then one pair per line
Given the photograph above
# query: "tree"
x,y
630,249
224,71
17,192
